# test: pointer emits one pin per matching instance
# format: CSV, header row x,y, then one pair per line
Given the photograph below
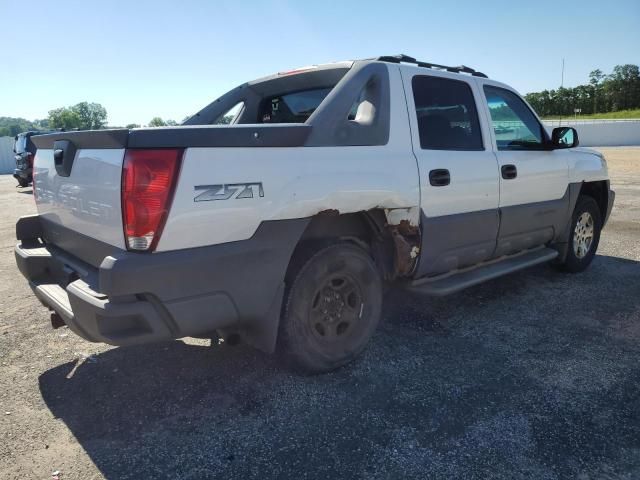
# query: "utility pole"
x,y
561,86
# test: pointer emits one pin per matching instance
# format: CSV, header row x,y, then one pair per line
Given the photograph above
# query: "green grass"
x,y
627,114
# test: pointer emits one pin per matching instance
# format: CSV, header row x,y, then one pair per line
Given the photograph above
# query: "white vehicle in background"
x,y
276,213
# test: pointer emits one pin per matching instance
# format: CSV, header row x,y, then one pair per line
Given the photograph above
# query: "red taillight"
x,y
148,181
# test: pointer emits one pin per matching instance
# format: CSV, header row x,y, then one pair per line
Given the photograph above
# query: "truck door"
x,y
458,170
534,198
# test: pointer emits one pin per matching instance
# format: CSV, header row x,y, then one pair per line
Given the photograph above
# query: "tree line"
x,y
82,116
619,90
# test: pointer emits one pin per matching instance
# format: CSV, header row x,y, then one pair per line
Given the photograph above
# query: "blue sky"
x,y
142,59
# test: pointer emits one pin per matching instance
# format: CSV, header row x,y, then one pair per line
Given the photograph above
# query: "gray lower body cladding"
x,y
133,298
532,224
458,241
450,242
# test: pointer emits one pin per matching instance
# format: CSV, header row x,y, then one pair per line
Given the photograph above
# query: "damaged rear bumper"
x,y
133,298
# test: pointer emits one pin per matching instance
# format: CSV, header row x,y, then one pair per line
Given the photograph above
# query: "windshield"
x,y
294,107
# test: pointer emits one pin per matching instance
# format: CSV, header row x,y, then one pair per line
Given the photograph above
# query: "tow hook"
x,y
56,321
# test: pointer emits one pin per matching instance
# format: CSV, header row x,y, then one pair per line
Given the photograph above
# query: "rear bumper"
x,y
129,318
22,173
134,298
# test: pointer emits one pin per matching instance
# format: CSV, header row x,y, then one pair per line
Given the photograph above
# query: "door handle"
x,y
439,177
509,172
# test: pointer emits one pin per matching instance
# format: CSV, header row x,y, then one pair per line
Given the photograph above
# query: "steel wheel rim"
x,y
583,235
336,309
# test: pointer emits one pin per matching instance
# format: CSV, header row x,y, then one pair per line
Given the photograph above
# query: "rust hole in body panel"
x,y
406,238
330,212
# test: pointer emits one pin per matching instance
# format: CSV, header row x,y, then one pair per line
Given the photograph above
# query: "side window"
x,y
447,115
515,126
231,115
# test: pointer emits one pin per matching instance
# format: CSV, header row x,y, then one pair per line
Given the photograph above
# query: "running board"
x,y
459,280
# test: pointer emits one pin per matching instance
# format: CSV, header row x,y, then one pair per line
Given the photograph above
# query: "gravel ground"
x,y
535,375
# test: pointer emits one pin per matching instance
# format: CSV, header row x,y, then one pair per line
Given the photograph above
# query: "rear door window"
x,y
447,114
294,107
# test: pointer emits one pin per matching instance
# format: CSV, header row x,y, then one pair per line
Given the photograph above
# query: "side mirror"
x,y
564,137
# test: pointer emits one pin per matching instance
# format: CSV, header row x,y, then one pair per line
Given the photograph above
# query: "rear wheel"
x,y
586,224
333,307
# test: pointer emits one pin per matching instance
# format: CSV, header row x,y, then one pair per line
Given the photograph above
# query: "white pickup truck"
x,y
277,212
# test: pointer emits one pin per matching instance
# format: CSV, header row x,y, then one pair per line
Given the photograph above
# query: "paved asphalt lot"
x,y
535,375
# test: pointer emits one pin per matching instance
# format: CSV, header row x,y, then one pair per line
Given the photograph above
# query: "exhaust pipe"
x,y
56,321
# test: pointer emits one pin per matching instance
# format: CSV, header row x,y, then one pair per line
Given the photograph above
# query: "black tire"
x,y
332,309
577,260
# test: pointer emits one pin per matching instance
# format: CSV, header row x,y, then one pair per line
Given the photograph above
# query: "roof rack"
x,y
407,59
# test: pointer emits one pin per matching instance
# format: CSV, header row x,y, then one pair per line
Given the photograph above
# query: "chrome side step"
x,y
461,279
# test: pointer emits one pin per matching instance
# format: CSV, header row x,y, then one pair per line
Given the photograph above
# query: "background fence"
x,y
602,133
7,160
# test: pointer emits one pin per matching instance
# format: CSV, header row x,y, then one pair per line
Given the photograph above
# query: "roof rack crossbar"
x,y
401,58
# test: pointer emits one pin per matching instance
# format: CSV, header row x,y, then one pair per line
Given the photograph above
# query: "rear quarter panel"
x,y
297,182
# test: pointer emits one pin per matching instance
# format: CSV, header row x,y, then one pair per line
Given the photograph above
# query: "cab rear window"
x,y
295,107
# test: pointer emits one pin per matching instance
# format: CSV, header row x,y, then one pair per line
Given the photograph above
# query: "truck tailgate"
x,y
85,200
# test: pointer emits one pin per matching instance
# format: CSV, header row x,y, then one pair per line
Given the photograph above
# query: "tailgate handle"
x,y
64,152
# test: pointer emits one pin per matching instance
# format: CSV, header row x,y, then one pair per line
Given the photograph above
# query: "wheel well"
x,y
367,229
599,192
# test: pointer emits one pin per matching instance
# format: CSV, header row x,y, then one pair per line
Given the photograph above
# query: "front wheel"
x,y
586,224
333,307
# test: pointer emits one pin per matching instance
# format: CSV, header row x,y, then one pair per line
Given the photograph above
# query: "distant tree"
x,y
624,87
64,117
157,122
41,124
10,126
596,78
604,93
224,120
132,125
93,116
84,116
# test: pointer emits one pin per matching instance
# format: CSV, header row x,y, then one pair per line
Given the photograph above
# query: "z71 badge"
x,y
227,191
